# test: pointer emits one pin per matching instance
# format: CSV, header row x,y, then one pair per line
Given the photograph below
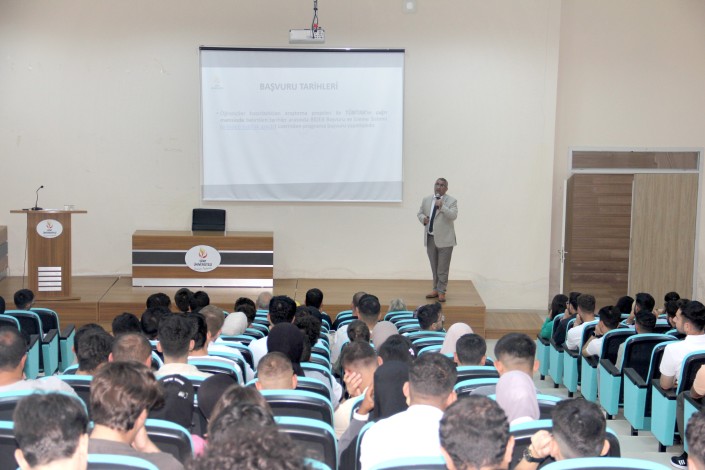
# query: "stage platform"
x,y
104,297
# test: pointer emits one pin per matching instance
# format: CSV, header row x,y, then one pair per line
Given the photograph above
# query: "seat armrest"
x,y
555,346
543,341
695,402
574,353
49,336
610,367
634,376
32,341
66,332
670,393
592,361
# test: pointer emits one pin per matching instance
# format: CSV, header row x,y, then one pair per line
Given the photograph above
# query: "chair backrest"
x,y
213,366
118,462
7,445
29,321
170,438
325,371
320,360
81,384
48,317
416,463
611,342
7,320
406,329
638,350
604,463
307,384
466,387
245,351
429,341
413,335
654,372
299,403
662,327
546,405
394,316
676,334
476,372
253,333
321,350
358,442
556,321
208,219
316,439
690,366
8,402
429,349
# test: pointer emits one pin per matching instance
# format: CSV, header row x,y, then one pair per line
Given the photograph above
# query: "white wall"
x,y
99,101
630,75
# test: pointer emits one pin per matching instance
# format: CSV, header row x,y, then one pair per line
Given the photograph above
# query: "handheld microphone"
x,y
37,208
437,196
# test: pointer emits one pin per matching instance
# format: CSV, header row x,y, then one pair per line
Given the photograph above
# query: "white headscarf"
x,y
454,333
235,324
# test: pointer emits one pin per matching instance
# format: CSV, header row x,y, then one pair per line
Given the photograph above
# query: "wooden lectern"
x,y
49,247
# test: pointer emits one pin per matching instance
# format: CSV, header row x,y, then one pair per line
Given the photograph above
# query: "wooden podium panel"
x,y
49,248
161,258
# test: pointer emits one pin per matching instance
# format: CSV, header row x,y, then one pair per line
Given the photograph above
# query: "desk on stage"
x,y
202,259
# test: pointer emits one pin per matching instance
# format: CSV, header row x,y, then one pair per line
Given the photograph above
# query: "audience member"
x,y
396,348
225,425
122,394
126,322
691,321
182,299
175,342
642,301
358,331
215,322
159,299
24,299
625,304
82,331
454,333
276,372
212,390
13,355
513,352
396,305
559,333
199,300
695,437
586,313
149,322
368,309
131,347
470,350
558,306
579,430
51,431
382,331
359,362
414,432
314,298
610,317
288,340
236,323
431,317
310,326
240,301
670,309
264,300
237,395
281,311
669,297
93,351
696,392
253,448
341,331
474,435
516,394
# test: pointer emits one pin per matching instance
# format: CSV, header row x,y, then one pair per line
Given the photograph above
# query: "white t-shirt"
x,y
674,354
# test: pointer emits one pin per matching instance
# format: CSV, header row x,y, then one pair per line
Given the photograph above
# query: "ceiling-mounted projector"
x,y
307,36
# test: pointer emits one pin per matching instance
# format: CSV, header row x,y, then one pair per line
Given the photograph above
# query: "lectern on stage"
x,y
49,247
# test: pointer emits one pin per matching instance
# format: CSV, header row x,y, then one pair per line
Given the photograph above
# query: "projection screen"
x,y
302,124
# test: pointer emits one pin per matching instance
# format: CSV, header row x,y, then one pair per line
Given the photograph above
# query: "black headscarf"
x,y
288,340
211,390
389,397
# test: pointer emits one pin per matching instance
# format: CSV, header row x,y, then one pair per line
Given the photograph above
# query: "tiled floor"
x,y
644,446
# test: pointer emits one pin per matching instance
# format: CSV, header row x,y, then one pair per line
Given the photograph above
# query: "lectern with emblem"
x,y
49,252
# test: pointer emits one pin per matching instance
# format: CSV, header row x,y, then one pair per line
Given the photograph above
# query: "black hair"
x,y
175,335
94,350
314,298
558,305
369,307
470,349
281,309
579,428
432,375
429,314
182,299
23,299
396,348
514,347
126,322
200,329
645,301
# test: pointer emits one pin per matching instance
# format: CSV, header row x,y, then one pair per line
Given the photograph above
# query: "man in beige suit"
x,y
437,214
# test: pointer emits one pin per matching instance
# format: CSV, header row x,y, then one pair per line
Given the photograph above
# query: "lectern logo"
x,y
202,258
49,228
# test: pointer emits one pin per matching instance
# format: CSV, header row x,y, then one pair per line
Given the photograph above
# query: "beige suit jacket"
x,y
443,228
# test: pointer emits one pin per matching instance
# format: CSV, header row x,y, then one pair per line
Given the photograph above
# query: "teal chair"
x,y
637,390
466,387
50,321
690,407
31,365
555,368
663,402
637,355
417,463
572,360
590,365
31,324
611,463
543,348
401,314
318,438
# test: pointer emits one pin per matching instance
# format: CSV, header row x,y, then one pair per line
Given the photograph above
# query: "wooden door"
x,y
663,234
598,219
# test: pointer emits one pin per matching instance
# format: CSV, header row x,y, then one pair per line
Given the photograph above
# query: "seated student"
x,y
252,447
367,309
122,394
159,299
642,301
396,348
586,313
414,432
396,305
281,311
579,430
215,321
131,347
644,323
250,314
182,299
359,361
516,394
314,299
244,301
691,321
695,437
236,323
669,297
306,321
431,317
93,351
199,300
149,322
513,352
358,331
670,310
276,372
558,306
610,317
51,431
81,332
475,435
13,355
263,301
470,350
175,342
24,299
559,333
126,322
697,392
454,333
